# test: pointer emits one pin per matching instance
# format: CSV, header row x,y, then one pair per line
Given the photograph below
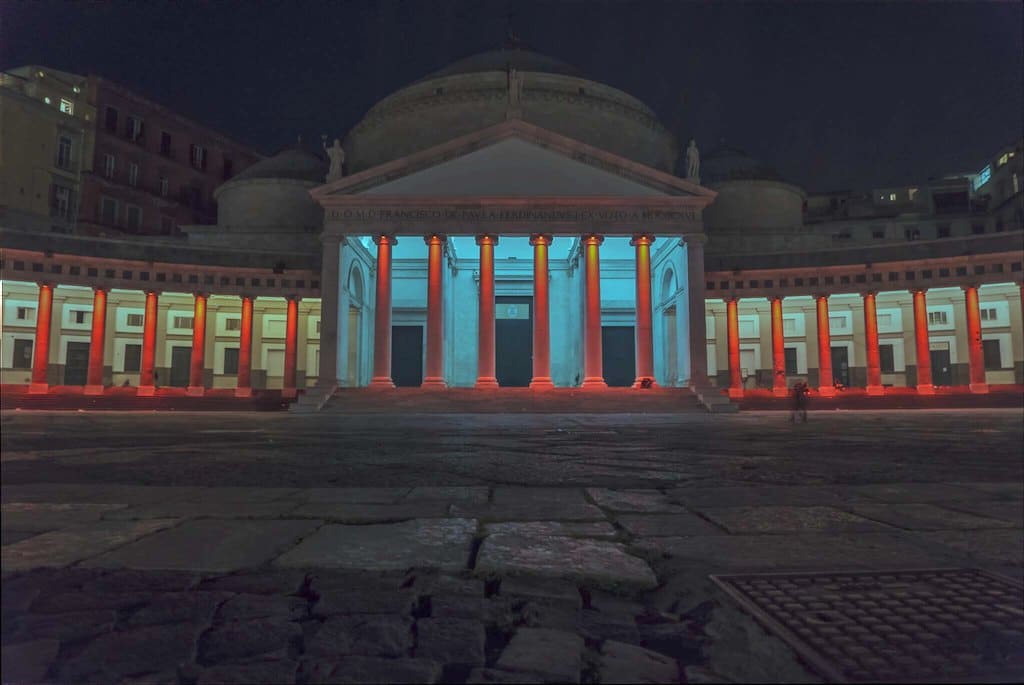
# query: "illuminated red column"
x,y
97,343
644,334
778,350
41,347
244,385
291,348
874,360
435,322
382,315
924,355
147,368
485,348
593,368
195,377
825,379
541,314
975,348
732,334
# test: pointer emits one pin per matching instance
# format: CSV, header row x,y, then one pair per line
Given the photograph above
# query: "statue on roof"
x,y
693,162
337,156
515,93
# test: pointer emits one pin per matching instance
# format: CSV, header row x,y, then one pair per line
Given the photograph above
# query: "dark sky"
x,y
835,95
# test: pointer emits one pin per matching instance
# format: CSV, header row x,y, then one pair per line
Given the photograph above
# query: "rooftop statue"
x,y
515,91
693,162
337,157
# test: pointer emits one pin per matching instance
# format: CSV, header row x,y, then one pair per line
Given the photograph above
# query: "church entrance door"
x,y
513,348
618,355
407,356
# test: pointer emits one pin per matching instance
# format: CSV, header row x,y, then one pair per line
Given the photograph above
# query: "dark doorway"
x,y
181,366
840,366
407,356
76,364
618,355
942,372
513,341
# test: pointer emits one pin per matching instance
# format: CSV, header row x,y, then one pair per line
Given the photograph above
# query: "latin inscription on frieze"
x,y
533,216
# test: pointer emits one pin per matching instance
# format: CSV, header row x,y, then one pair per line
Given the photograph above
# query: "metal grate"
x,y
898,626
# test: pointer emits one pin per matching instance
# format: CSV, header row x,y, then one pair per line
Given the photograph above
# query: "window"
x,y
22,358
165,143
892,197
791,367
937,318
26,314
989,314
232,324
108,211
1003,159
183,322
132,357
230,360
983,176
110,120
912,193
62,202
837,323
198,157
977,229
133,174
165,186
81,316
166,224
229,168
67,106
993,356
134,129
887,358
911,232
942,231
878,233
109,165
134,320
843,235
133,216
318,327
65,145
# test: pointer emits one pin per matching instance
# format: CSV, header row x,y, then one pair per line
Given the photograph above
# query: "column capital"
x,y
592,239
292,297
695,239
868,293
487,239
541,239
385,238
432,238
153,291
46,284
970,286
821,296
732,297
101,288
247,296
641,239
200,295
772,298
914,291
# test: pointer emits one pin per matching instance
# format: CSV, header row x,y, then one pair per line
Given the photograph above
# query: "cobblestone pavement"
x,y
197,549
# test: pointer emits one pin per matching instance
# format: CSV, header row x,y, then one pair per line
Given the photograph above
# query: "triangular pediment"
x,y
512,159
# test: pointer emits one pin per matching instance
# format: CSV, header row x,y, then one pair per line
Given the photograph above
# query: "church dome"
x,y
732,164
471,94
752,195
293,162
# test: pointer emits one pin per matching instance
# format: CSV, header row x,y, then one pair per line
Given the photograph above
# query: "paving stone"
x,y
553,654
209,545
89,493
571,529
982,546
545,588
441,543
451,641
362,635
239,494
788,520
622,663
677,640
72,626
457,606
355,512
1011,511
456,493
368,669
998,489
207,508
650,501
39,517
538,495
262,582
263,606
9,537
494,675
530,511
241,640
142,650
592,562
359,495
435,584
364,601
195,607
539,612
765,495
69,545
256,672
131,580
904,493
596,625
28,662
926,517
668,525
63,602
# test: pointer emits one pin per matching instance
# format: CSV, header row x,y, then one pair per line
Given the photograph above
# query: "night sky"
x,y
834,95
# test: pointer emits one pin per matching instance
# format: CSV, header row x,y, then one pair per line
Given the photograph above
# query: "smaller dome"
x,y
293,162
731,164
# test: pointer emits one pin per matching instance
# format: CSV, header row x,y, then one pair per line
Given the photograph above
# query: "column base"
x,y
875,390
38,388
639,382
928,389
827,391
146,391
735,393
290,393
486,383
979,388
780,392
381,383
435,383
93,390
243,392
195,391
594,382
541,383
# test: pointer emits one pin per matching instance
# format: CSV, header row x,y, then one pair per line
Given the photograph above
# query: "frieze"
x,y
513,215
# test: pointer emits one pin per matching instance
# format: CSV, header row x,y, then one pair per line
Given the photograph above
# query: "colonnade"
x,y
147,376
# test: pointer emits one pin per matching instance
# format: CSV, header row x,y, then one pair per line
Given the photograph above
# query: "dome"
x,y
732,164
293,162
472,94
752,195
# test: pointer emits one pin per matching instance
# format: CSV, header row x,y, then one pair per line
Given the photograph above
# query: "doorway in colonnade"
x,y
181,366
618,355
407,356
76,363
513,344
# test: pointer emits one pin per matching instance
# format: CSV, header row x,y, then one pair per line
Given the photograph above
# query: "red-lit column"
x,y
593,367
923,350
195,378
732,334
975,348
382,315
435,322
826,387
244,386
541,314
644,334
147,387
485,364
874,360
41,346
779,388
97,343
291,348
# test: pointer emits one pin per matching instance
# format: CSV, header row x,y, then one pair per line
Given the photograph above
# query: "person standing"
x,y
798,398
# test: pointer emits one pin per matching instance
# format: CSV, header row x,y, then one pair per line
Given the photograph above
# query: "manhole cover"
x,y
920,625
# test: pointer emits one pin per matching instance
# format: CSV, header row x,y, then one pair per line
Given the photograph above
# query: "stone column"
x,y
147,369
644,314
874,362
291,347
97,342
923,350
330,266
541,314
485,365
382,315
40,384
779,388
195,377
244,385
732,335
826,387
593,368
695,296
975,348
435,322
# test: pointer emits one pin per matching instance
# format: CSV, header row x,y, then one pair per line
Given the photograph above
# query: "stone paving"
x,y
125,560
